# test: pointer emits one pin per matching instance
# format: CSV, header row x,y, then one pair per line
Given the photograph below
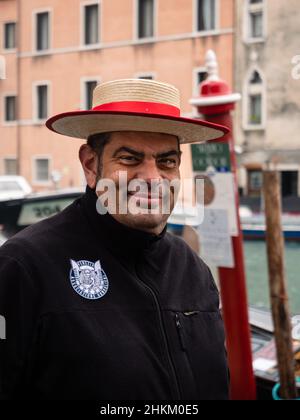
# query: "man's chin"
x,y
144,222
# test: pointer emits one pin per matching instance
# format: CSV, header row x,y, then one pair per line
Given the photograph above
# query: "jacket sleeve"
x,y
17,325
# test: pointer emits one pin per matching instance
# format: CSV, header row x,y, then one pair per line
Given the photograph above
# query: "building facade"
x,y
267,73
55,52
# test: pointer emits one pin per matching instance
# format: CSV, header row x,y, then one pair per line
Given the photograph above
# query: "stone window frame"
x,y
250,9
248,91
14,48
35,180
136,23
83,81
35,85
9,158
4,121
83,6
196,72
217,19
34,40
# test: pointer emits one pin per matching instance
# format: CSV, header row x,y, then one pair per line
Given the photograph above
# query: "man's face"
x,y
151,157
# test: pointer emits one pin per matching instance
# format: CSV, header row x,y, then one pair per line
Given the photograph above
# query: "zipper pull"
x,y
191,313
180,332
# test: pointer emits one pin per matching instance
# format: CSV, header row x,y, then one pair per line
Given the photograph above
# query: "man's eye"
x,y
129,159
168,163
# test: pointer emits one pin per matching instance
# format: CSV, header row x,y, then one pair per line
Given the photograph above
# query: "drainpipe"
x,y
18,89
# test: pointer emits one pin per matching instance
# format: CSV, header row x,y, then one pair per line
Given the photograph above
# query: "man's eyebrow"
x,y
163,155
129,150
141,155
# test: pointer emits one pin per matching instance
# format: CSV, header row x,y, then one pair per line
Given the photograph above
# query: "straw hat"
x,y
135,105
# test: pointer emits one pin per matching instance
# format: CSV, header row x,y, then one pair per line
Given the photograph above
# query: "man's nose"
x,y
149,171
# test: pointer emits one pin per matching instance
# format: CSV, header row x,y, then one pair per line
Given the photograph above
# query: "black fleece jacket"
x,y
97,311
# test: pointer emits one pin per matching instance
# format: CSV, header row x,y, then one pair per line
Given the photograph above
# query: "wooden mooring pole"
x,y
278,285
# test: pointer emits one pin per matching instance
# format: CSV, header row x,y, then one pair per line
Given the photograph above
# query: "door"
x,y
289,183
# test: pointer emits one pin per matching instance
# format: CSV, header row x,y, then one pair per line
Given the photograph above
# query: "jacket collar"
x,y
120,238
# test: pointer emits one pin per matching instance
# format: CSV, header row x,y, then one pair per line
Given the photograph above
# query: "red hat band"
x,y
140,107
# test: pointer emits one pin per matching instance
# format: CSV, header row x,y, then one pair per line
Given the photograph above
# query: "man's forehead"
x,y
141,141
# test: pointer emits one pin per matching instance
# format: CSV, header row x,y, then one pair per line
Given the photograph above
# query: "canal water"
x,y
257,274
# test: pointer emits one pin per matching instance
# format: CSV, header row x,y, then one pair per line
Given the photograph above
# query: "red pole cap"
x,y
215,94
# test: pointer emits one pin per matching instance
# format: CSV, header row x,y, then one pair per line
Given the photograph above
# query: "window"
x,y
289,183
10,166
255,19
206,15
42,170
42,102
255,78
255,109
145,18
42,31
10,35
91,24
146,77
89,89
255,101
256,25
10,108
199,75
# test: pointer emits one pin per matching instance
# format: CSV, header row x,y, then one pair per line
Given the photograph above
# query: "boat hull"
x,y
16,215
260,235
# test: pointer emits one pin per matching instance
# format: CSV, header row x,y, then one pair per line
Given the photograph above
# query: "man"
x,y
110,306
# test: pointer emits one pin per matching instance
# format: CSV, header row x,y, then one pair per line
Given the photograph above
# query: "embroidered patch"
x,y
88,279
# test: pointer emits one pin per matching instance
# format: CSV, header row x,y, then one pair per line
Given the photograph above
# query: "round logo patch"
x,y
88,279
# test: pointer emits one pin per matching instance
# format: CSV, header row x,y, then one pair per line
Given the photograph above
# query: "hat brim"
x,y
82,124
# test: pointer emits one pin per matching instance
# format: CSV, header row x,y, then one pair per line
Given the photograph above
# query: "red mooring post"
x,y
215,104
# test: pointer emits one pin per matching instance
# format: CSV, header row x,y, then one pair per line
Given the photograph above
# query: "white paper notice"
x,y
222,197
215,239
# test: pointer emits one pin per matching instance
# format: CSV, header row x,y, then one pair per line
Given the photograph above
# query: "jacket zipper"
x,y
171,364
180,332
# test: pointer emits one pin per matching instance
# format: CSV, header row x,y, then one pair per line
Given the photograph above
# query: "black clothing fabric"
x,y
156,334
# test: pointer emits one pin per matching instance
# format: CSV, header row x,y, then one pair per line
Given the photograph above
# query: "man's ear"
x,y
89,163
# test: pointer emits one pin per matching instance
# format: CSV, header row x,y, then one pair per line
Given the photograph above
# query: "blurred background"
x,y
53,53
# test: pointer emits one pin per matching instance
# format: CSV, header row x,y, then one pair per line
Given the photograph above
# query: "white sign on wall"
x,y
215,239
219,193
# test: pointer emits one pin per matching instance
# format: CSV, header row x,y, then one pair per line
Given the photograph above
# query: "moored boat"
x,y
254,227
16,215
264,351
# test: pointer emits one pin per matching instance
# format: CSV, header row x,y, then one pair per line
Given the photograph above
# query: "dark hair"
x,y
98,141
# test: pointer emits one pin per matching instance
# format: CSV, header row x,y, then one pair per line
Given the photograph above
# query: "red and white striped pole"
x,y
215,104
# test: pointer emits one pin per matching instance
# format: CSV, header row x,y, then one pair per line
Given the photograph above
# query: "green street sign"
x,y
216,155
